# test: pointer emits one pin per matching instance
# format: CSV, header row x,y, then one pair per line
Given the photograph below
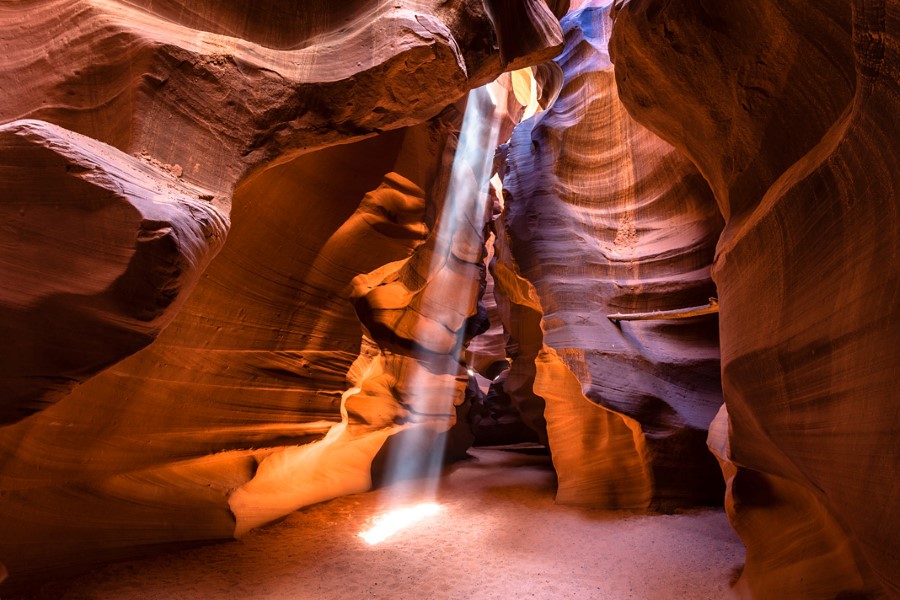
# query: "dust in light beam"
x,y
431,400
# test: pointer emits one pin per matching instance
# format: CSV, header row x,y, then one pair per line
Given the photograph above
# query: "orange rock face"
x,y
228,291
323,136
604,217
100,250
789,110
245,83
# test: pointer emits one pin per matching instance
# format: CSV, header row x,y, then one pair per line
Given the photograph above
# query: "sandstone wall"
x,y
789,109
604,217
322,135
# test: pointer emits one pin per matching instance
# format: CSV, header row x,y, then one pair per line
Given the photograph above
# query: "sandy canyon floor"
x,y
498,535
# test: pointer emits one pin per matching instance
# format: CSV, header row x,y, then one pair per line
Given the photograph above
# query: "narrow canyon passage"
x,y
263,263
498,535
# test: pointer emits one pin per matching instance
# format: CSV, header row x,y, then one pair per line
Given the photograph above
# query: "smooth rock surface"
x,y
604,217
789,109
99,250
223,88
320,133
243,366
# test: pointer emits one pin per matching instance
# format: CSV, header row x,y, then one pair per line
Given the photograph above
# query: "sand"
x,y
498,535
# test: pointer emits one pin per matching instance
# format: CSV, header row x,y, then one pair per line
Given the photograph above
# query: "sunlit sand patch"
x,y
391,522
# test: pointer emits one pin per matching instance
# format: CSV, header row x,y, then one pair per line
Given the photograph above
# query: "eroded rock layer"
x,y
604,217
221,88
789,109
209,92
99,250
257,358
217,112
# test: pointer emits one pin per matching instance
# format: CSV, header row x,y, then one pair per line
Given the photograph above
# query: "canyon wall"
x,y
603,217
205,181
789,109
220,252
208,94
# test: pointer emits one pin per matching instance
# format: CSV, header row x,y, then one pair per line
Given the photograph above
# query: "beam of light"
x,y
418,453
391,522
415,457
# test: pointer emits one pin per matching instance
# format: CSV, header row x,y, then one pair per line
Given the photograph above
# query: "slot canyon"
x,y
592,299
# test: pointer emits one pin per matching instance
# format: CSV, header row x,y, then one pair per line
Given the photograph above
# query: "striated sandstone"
x,y
257,358
789,109
99,252
163,386
604,217
177,443
223,88
211,94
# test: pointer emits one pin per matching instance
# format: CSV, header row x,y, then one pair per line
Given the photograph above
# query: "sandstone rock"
x,y
410,379
486,354
495,419
223,88
46,532
523,28
520,313
789,109
258,355
99,252
212,92
256,359
604,217
239,104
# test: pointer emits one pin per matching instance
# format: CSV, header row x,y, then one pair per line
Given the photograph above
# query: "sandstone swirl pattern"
x,y
604,217
789,109
320,131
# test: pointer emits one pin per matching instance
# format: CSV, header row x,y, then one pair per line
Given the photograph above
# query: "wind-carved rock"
x,y
424,311
100,251
789,109
409,379
212,92
237,107
240,86
254,364
604,217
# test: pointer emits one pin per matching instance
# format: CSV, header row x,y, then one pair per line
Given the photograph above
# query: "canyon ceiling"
x,y
222,265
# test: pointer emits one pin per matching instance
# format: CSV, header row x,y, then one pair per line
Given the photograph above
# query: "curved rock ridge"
x,y
523,27
233,110
604,217
411,392
99,252
194,357
241,84
409,380
790,111
496,418
179,88
262,346
257,358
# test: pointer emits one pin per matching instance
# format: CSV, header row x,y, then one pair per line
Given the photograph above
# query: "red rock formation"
x,y
100,250
213,91
132,132
522,26
233,97
245,82
789,109
604,217
496,418
257,358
